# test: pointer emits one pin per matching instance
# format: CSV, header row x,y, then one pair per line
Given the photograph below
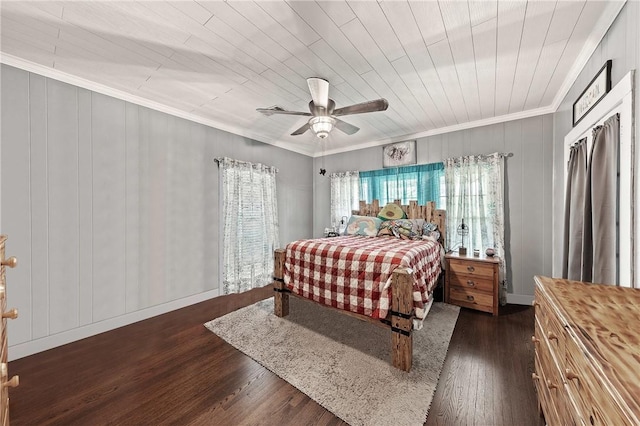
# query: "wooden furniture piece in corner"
x,y
472,282
587,351
5,382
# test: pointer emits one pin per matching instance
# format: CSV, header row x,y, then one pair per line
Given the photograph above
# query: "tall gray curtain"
x,y
574,211
599,262
591,208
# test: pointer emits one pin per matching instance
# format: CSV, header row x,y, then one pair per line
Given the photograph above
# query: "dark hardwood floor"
x,y
171,370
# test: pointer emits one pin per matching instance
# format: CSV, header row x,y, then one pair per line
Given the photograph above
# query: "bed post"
x,y
281,298
402,319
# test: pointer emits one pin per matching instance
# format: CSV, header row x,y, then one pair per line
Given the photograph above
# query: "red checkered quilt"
x,y
353,273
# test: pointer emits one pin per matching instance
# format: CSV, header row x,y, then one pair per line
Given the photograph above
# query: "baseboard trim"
x,y
519,299
31,347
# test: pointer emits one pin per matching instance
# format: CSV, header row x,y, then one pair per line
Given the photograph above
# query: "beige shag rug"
x,y
341,362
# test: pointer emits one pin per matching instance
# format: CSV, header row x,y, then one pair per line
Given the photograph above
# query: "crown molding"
x,y
64,77
601,29
472,124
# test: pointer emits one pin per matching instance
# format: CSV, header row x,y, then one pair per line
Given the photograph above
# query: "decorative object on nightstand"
x,y
463,231
472,282
490,252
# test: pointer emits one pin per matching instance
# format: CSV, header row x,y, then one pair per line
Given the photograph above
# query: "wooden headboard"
x,y
427,212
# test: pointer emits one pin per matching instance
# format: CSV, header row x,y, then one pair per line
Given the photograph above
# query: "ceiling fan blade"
x,y
319,88
345,127
369,106
278,110
301,130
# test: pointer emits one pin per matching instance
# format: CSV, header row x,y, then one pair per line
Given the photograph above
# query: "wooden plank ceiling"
x,y
441,64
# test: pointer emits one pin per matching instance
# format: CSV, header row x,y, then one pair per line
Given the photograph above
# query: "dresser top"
x,y
605,320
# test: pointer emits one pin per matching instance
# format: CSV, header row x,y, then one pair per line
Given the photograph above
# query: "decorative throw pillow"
x,y
430,230
363,225
406,229
391,211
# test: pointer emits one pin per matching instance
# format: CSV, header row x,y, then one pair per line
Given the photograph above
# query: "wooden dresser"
x,y
587,353
5,382
472,282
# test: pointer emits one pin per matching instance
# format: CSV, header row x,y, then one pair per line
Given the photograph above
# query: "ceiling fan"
x,y
323,112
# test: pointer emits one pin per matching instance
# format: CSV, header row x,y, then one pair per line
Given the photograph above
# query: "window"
x,y
475,193
250,214
423,183
345,193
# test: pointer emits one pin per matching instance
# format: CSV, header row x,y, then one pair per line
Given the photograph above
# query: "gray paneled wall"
x,y
113,209
527,187
621,44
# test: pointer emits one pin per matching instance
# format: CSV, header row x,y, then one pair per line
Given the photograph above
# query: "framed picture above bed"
x,y
399,154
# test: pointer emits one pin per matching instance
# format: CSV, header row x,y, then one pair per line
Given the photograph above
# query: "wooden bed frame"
x,y
401,314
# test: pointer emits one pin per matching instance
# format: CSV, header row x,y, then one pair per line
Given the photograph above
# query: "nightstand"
x,y
472,282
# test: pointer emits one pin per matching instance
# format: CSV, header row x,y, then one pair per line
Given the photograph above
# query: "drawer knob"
x,y
551,385
470,268
10,262
12,383
534,304
570,375
15,380
471,283
535,377
12,314
552,336
534,340
470,298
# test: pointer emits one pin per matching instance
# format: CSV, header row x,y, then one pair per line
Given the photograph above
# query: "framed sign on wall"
x,y
595,91
399,154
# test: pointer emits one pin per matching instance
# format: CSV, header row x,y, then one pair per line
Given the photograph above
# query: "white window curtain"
x,y
475,193
250,212
345,196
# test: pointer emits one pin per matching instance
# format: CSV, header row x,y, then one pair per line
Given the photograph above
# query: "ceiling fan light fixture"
x,y
322,125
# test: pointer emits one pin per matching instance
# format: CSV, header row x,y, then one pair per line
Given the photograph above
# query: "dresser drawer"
x,y
470,268
570,413
3,345
471,298
4,420
556,336
596,408
546,396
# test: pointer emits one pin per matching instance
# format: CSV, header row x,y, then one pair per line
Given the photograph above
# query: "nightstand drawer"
x,y
471,298
472,282
470,268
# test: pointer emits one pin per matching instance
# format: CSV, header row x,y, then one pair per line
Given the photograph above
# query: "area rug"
x,y
341,362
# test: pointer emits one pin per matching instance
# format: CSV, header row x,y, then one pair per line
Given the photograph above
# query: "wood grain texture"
x,y
472,282
402,304
413,210
486,378
171,370
281,299
588,352
7,380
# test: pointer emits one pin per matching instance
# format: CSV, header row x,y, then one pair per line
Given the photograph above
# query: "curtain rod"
x,y
219,160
